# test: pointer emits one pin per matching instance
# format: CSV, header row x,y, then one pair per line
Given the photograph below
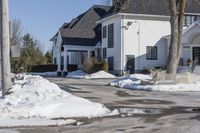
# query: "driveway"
x,y
141,111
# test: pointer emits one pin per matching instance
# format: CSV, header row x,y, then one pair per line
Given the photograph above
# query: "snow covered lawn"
x,y
98,75
34,99
135,82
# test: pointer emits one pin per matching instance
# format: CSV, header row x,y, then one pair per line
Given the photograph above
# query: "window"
x,y
92,53
99,53
111,63
62,48
111,36
104,53
190,19
104,32
67,59
55,61
62,60
151,53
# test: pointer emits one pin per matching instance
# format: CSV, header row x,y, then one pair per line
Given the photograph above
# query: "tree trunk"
x,y
172,57
175,49
180,26
5,46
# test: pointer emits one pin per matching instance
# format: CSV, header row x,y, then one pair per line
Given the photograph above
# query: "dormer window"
x,y
190,19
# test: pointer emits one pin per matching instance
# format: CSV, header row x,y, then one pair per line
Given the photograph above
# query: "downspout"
x,y
139,42
122,44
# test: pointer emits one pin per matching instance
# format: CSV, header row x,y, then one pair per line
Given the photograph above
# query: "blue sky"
x,y
42,18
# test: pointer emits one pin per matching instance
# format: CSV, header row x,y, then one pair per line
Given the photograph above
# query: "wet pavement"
x,y
140,111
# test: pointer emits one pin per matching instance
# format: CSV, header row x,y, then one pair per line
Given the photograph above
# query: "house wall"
x,y
116,50
133,39
56,48
188,42
142,33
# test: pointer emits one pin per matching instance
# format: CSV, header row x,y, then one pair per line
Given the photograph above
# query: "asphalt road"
x,y
161,112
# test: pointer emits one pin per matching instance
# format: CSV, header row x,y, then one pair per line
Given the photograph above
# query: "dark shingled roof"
x,y
83,30
151,7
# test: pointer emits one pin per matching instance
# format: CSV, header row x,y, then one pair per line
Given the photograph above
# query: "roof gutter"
x,y
145,15
106,18
133,15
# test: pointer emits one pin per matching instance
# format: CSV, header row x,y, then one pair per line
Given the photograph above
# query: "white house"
x,y
79,39
134,36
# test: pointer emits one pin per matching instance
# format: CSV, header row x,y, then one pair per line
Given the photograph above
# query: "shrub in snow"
x,y
88,65
92,65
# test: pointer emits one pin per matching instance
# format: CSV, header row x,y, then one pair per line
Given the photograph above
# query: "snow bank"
x,y
10,123
45,74
135,82
79,74
33,97
98,75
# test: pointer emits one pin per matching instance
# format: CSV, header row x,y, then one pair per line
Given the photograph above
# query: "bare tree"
x,y
177,8
106,2
5,47
15,32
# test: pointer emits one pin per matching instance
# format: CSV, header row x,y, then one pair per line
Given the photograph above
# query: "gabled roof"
x,y
54,37
151,7
83,30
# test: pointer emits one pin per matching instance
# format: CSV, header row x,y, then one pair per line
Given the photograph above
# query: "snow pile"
x,y
183,69
10,123
135,82
79,74
45,74
98,75
33,97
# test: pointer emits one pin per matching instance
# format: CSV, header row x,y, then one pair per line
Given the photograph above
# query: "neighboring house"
x,y
79,39
134,36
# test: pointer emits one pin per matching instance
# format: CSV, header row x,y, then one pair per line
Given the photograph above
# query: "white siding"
x,y
56,47
133,39
143,33
116,50
189,42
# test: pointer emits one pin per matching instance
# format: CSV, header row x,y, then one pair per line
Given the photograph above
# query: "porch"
x,y
75,55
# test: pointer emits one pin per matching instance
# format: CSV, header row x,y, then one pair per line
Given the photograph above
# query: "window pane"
x,y
151,53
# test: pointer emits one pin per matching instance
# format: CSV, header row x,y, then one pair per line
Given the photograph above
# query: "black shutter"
x,y
111,63
104,53
111,36
104,32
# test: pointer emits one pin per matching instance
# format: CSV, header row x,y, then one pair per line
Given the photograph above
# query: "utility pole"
x,y
5,47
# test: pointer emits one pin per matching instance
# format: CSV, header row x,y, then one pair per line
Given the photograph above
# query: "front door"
x,y
196,54
130,65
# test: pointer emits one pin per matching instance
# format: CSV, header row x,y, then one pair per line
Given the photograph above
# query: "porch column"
x,y
58,63
89,54
65,71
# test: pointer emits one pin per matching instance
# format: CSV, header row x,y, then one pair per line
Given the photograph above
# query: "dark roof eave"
x,y
78,44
